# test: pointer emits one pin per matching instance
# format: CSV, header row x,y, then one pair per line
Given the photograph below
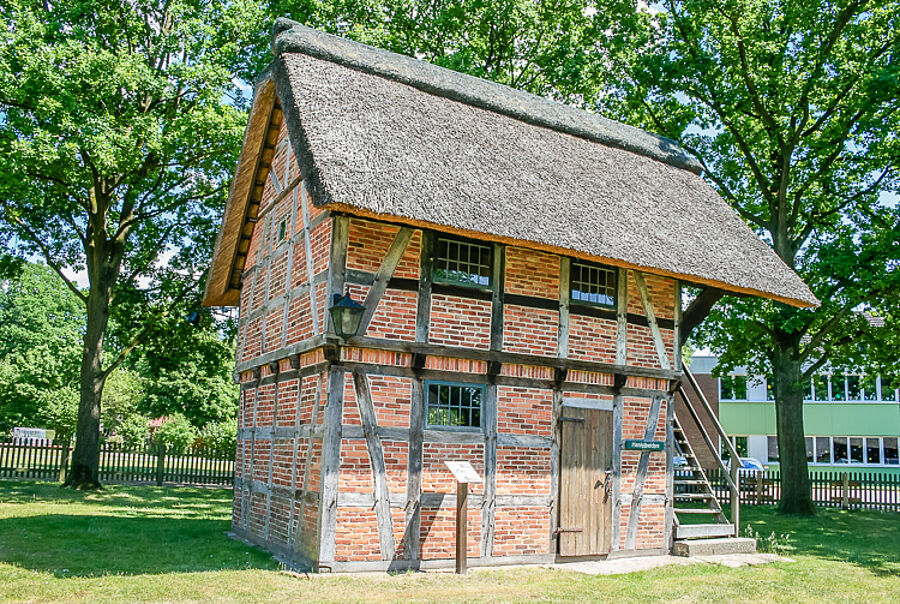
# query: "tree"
x,y
793,109
41,322
555,48
120,125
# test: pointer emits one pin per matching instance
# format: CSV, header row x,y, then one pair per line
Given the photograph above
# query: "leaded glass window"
x,y
454,405
463,262
593,284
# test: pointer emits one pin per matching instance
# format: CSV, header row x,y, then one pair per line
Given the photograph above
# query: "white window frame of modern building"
x,y
810,397
848,463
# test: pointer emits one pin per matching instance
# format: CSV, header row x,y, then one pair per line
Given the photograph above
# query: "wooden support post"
x,y
670,472
497,279
331,464
845,491
676,326
462,496
64,462
160,464
426,267
490,470
414,471
622,318
616,484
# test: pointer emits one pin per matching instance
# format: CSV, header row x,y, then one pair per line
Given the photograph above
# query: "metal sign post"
x,y
464,474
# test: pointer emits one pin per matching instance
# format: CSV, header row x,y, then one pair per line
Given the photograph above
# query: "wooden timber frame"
x,y
337,372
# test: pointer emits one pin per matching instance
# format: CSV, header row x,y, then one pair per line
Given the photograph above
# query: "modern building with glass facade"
x,y
851,420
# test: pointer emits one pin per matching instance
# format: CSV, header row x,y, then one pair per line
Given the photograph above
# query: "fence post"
x,y
759,487
160,463
64,461
845,491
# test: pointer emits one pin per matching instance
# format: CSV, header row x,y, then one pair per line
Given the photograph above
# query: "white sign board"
x,y
463,471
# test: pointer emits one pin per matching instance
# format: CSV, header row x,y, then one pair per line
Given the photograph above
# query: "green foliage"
x,y
120,125
556,48
40,331
219,439
189,370
133,430
177,434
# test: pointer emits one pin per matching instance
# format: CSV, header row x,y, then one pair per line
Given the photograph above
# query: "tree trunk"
x,y
796,495
84,471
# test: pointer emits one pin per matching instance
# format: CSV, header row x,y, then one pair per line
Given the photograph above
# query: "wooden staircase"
x,y
693,487
694,498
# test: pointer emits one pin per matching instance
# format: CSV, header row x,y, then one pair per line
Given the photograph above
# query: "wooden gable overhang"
x,y
241,213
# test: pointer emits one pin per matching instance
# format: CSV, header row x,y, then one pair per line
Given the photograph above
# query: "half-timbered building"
x,y
519,264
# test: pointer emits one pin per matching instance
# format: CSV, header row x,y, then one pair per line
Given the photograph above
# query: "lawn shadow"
x,y
866,538
81,546
146,497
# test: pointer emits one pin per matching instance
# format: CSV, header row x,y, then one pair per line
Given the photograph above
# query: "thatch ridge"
x,y
291,37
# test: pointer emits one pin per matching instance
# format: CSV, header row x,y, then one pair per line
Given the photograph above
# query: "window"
x,y
770,388
593,284
810,448
837,388
740,445
463,263
823,449
839,449
856,450
733,388
853,389
890,451
873,450
773,448
870,388
454,405
820,386
282,229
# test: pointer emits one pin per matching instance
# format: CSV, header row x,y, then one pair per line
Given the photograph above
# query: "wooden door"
x,y
585,507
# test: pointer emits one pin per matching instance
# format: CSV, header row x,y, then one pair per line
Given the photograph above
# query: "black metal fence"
x,y
846,490
47,460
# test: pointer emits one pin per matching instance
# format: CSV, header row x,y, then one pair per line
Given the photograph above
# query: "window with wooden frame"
x,y
453,406
463,262
593,284
282,229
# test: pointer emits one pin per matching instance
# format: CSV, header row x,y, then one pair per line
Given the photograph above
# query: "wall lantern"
x,y
346,314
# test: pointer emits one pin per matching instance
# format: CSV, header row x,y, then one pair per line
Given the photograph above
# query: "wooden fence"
x,y
47,460
846,490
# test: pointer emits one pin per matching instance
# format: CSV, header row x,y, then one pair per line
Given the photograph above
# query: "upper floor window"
x,y
593,284
733,388
463,262
451,405
282,229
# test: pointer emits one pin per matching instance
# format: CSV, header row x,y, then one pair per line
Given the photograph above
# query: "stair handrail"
x,y
709,443
735,458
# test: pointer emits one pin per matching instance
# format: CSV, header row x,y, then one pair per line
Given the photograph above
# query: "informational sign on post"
x,y
464,474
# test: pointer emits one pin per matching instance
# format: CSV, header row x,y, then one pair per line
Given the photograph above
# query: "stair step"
x,y
695,496
696,511
698,531
689,481
714,547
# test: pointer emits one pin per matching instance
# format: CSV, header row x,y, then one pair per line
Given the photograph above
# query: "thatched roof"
x,y
387,136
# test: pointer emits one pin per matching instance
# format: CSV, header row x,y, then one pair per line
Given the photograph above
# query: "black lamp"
x,y
346,313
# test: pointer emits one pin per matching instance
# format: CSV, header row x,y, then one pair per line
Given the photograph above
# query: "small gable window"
x,y
282,229
593,284
452,405
461,262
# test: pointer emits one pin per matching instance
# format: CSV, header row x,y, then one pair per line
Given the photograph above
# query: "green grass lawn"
x,y
168,544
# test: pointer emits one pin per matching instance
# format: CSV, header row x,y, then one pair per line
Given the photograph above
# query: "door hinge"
x,y
566,530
